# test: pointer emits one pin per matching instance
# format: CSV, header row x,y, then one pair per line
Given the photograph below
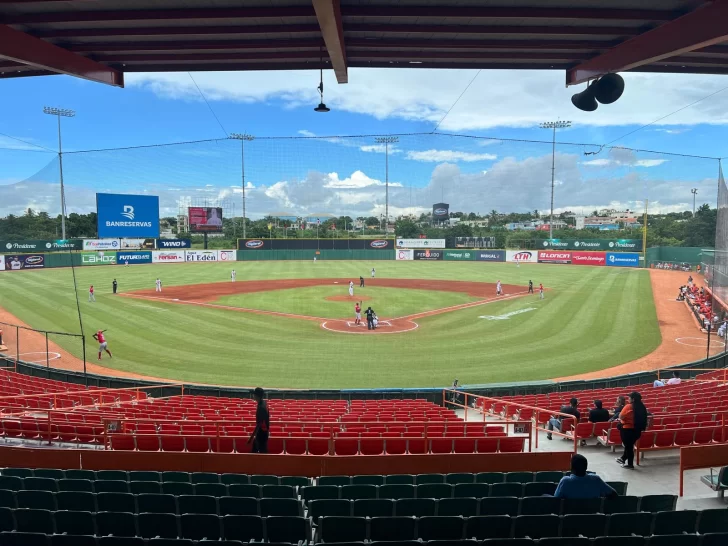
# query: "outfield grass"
x,y
386,302
592,318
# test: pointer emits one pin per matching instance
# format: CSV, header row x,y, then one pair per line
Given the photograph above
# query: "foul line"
x,y
468,305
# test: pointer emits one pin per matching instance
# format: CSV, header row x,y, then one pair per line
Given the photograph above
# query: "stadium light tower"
x,y
242,137
553,125
386,141
694,191
59,113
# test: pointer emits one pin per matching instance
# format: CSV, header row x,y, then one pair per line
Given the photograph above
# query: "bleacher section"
x,y
105,507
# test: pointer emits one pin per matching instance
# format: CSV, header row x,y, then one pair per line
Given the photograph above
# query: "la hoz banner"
x,y
121,215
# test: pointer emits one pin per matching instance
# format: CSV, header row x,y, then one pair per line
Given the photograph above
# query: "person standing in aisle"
x,y
632,423
259,438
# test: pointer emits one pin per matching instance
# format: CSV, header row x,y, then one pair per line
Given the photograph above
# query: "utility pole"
x,y
243,137
60,112
553,125
694,191
386,141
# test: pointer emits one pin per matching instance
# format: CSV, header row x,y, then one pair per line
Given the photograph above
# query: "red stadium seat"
x,y
488,445
441,445
371,446
511,445
223,444
417,446
647,440
464,445
704,435
318,446
197,444
584,431
665,438
395,446
147,442
684,437
346,446
295,446
172,443
122,442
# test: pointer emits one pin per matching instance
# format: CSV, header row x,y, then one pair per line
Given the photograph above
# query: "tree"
x,y
406,228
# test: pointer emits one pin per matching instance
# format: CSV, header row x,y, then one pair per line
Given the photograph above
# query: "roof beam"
x,y
328,13
20,47
177,31
192,45
706,26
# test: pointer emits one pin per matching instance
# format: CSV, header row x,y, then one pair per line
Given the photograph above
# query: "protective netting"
x,y
717,271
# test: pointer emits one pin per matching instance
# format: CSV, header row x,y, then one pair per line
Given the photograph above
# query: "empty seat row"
x,y
348,529
150,502
453,478
489,506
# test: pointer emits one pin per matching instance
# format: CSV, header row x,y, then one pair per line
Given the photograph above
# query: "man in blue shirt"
x,y
580,485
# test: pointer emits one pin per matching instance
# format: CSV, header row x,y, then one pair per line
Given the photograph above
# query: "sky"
x,y
487,153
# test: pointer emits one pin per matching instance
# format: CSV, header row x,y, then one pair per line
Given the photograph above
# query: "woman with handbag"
x,y
632,423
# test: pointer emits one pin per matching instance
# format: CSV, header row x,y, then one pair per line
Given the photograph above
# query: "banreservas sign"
x,y
623,259
588,258
554,257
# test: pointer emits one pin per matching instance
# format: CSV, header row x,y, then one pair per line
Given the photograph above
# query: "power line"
x,y
141,146
208,104
29,143
457,100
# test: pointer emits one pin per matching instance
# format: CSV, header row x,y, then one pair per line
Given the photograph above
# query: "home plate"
x,y
351,324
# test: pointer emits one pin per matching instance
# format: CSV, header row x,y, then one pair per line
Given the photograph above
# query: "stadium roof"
x,y
101,39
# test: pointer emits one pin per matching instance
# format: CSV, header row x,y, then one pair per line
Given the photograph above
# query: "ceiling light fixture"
x,y
322,107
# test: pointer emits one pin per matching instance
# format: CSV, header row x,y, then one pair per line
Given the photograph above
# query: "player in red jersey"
x,y
99,336
357,311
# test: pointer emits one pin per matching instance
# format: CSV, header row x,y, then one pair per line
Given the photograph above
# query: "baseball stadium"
x,y
392,337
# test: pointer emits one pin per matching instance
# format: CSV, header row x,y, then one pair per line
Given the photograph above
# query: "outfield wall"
x,y
267,255
674,254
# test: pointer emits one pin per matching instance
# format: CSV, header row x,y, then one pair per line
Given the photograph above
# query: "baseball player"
x,y
517,264
351,289
91,296
126,263
158,285
540,291
530,287
361,281
498,289
374,272
375,320
232,276
357,313
103,346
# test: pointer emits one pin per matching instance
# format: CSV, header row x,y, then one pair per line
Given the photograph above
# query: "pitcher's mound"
x,y
347,298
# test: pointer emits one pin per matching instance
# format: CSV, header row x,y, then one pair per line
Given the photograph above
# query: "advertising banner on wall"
x,y
315,244
201,255
173,243
427,254
120,215
168,256
41,245
522,256
490,255
623,259
459,255
98,258
420,243
554,257
138,257
593,244
403,255
588,258
101,244
16,262
226,255
2,262
136,244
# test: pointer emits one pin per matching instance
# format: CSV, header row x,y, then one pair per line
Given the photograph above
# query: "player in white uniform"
x,y
158,285
373,272
351,288
517,264
498,289
232,276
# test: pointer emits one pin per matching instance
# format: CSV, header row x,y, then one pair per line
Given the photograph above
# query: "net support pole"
x,y
17,347
48,360
83,345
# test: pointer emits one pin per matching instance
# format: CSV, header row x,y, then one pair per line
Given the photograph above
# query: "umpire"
x,y
370,318
259,438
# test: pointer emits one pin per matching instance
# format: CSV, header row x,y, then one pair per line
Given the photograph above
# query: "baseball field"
x,y
291,324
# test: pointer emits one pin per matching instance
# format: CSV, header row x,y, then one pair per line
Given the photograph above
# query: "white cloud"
x,y
622,157
521,98
306,133
357,180
438,156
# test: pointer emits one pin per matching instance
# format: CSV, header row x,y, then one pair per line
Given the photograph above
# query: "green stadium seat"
x,y
399,479
581,506
204,477
713,520
261,479
340,529
280,507
171,476
40,484
196,504
586,525
76,485
519,477
566,541
506,490
7,499
177,488
463,506
675,522
548,476
397,491
111,486
157,525
460,477
329,507
76,501
371,508
317,492
52,473
373,479
638,523
288,529
429,478
392,529
714,539
354,492
536,526
334,480
39,500
74,523
621,505
474,490
34,521
434,491
121,541
73,540
11,483
278,492
238,506
658,503
415,507
120,524
200,527
230,479
211,489
295,481
533,506
116,502
440,528
509,542
499,506
534,489
138,488
78,474
675,540
144,476
18,472
156,503
244,490
112,475
7,522
24,539
619,487
488,527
